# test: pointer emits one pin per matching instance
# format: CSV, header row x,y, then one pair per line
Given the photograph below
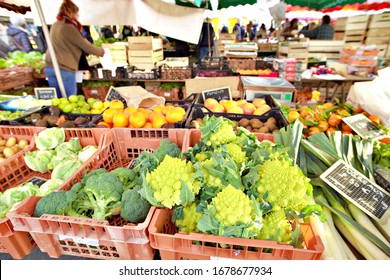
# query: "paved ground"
x,y
36,254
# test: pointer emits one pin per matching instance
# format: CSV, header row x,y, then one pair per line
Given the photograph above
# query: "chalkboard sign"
x,y
37,181
366,195
45,93
112,94
363,126
218,94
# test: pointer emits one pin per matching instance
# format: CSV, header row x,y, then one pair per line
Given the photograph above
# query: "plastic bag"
x,y
373,96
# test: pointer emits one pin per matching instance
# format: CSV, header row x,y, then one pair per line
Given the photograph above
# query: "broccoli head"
x,y
145,163
134,207
104,191
80,205
126,175
55,203
167,148
93,173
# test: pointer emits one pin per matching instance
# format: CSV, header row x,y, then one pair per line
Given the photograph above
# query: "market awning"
x,y
322,4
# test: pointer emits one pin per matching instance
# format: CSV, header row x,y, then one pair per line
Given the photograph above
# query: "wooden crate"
x,y
378,32
118,51
382,50
377,40
227,36
380,21
325,48
339,35
355,36
357,23
145,43
293,47
340,24
146,57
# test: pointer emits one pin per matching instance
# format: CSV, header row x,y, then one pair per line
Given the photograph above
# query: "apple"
x,y
258,101
262,109
218,109
235,110
229,104
210,102
241,102
222,102
248,108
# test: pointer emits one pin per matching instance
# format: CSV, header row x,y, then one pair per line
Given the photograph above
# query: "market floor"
x,y
36,254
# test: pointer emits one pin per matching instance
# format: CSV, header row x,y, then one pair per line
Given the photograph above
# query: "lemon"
x,y
55,101
106,104
63,100
95,111
90,101
67,108
98,105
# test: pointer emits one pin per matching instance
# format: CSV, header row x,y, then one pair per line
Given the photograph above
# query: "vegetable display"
x,y
11,146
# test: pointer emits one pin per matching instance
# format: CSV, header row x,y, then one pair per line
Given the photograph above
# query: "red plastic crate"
x,y
14,171
114,239
175,245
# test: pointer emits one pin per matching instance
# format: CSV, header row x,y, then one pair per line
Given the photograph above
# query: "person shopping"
x,y
69,45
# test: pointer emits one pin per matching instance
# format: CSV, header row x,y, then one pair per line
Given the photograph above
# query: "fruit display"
x,y
258,72
258,106
9,115
11,146
118,116
77,104
326,117
24,103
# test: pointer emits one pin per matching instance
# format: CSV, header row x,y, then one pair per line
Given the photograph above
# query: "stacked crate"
x,y
352,30
118,52
379,33
225,39
296,50
325,50
145,52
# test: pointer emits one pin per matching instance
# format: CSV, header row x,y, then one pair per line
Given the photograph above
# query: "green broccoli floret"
x,y
126,175
134,207
105,192
55,203
80,205
167,148
93,173
145,163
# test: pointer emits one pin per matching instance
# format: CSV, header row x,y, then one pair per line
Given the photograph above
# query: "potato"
x,y
3,142
15,149
1,159
1,148
23,143
8,152
11,141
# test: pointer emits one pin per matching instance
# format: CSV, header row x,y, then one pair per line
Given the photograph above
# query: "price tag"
x,y
112,94
366,195
363,126
45,93
37,181
218,93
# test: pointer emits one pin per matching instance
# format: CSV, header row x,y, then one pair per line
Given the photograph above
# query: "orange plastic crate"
x,y
175,245
114,239
14,171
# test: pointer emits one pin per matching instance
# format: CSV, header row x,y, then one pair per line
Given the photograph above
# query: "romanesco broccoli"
x,y
217,131
188,218
171,181
276,227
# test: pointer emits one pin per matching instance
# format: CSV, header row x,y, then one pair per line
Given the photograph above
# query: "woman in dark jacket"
x,y
18,35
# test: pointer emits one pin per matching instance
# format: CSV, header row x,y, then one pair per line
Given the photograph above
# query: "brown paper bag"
x,y
138,97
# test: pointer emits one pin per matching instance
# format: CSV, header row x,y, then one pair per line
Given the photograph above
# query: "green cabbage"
x,y
87,152
65,169
50,185
39,160
50,138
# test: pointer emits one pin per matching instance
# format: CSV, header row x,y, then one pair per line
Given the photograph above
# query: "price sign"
x,y
37,181
218,94
366,195
363,126
45,93
112,94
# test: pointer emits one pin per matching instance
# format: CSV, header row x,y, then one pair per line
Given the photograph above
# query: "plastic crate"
x,y
114,239
175,245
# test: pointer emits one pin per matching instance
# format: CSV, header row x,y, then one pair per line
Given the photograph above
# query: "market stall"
x,y
236,158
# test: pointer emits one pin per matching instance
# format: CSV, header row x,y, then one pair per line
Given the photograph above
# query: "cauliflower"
x,y
217,131
276,227
285,184
172,182
189,218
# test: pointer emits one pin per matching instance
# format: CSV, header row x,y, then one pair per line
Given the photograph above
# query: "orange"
x,y
117,104
129,110
346,128
334,120
148,125
120,120
137,119
158,121
323,125
108,115
174,116
375,119
159,108
181,110
152,115
141,109
166,109
314,130
146,113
